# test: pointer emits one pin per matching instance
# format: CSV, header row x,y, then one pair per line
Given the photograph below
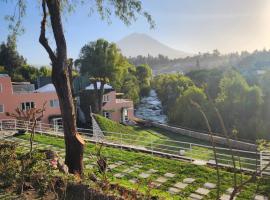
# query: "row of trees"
x,y
15,65
103,63
246,62
244,107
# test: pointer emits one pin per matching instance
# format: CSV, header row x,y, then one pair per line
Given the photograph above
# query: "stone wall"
x,y
205,137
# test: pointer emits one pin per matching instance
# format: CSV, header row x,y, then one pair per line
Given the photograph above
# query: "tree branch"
x,y
196,105
54,9
42,38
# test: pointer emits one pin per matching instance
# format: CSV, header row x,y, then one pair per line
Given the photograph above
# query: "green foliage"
x,y
185,113
245,108
45,71
17,169
240,104
207,78
9,167
169,87
131,88
102,60
183,170
36,170
9,56
12,63
130,134
2,70
144,76
25,73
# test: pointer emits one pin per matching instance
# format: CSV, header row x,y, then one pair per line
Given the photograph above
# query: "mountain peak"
x,y
142,44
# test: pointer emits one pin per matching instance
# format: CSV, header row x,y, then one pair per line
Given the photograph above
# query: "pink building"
x,y
117,109
24,96
120,110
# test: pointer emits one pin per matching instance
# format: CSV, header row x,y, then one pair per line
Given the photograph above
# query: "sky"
x,y
188,25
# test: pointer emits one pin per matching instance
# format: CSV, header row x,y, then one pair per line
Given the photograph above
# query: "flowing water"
x,y
150,108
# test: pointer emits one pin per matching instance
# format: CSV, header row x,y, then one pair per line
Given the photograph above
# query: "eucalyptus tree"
x,y
52,14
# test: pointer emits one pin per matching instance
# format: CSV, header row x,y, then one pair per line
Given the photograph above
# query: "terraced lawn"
x,y
169,142
169,178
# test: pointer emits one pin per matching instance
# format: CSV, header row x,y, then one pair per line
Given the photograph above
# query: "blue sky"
x,y
188,25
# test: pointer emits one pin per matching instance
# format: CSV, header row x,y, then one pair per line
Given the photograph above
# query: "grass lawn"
x,y
182,170
166,141
129,134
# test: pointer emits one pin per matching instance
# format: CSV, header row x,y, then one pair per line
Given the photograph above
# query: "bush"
x,y
35,171
9,166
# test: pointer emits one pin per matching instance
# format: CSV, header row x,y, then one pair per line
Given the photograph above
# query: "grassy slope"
x,y
130,134
161,139
181,169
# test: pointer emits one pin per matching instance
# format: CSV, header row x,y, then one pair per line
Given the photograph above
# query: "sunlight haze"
x,y
190,26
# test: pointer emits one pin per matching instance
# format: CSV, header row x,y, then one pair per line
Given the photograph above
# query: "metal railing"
x,y
245,160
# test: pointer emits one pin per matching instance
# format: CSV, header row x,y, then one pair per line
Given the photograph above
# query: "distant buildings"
x,y
24,96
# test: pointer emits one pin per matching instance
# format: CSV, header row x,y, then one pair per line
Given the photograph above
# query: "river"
x,y
150,108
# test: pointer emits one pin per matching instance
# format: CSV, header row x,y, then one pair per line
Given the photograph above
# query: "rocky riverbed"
x,y
150,108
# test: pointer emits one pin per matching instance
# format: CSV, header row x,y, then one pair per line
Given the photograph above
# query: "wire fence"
x,y
245,160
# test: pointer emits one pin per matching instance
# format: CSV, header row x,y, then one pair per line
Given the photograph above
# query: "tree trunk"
x,y
61,80
74,147
100,96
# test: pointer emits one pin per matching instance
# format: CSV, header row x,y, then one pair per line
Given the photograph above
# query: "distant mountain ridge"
x,y
141,44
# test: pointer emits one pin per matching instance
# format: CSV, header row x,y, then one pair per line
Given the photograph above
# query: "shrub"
x,y
9,167
35,171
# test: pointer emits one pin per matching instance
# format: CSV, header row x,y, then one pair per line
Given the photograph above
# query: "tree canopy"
x,y
144,74
244,107
103,62
10,59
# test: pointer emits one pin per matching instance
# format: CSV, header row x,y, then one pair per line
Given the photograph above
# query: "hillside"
x,y
245,62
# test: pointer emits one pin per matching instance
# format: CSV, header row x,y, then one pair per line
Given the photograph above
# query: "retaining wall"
x,y
205,137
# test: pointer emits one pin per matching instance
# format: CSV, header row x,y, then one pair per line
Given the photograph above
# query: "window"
x,y
106,114
27,105
106,98
2,108
1,88
54,103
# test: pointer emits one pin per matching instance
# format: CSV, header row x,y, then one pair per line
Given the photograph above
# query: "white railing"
x,y
245,160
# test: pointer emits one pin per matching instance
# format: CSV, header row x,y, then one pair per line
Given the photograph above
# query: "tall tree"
x,y
9,56
144,75
239,104
45,71
103,63
126,10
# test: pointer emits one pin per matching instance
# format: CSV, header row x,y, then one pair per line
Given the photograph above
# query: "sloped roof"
x,y
4,75
46,88
91,86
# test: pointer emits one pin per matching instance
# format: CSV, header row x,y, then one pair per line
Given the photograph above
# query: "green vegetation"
x,y
103,62
182,170
15,65
246,62
244,107
129,134
168,142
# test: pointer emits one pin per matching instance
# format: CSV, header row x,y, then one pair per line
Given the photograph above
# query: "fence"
x,y
206,137
245,160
